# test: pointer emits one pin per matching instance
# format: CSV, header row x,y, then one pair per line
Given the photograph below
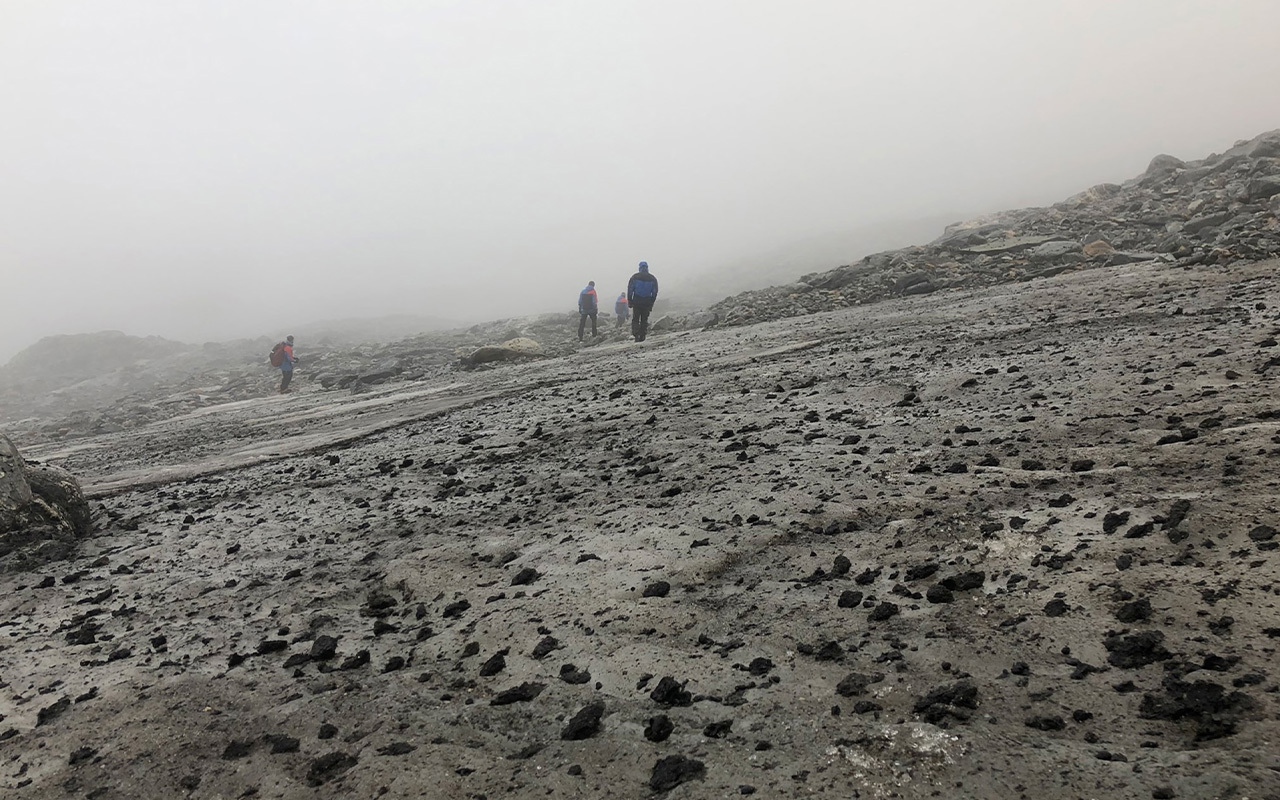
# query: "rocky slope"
x,y
135,387
1217,210
1220,209
1010,541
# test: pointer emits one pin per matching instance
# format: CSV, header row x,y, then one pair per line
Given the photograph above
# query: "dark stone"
x,y
658,728
1113,520
920,572
329,766
856,683
1136,650
1056,607
1136,611
953,699
496,663
849,599
281,744
1177,513
656,589
324,648
238,748
544,647
965,581
396,749
669,692
672,771
456,609
1215,711
883,611
518,694
718,730
525,577
867,577
938,593
1046,723
830,651
572,675
1262,533
51,712
760,667
585,723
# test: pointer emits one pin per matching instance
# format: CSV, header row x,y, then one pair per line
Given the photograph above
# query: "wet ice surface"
x,y
893,540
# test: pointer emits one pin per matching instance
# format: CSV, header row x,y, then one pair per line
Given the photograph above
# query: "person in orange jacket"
x,y
282,357
588,306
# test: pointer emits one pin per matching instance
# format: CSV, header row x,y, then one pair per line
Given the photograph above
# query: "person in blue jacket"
x,y
621,308
642,293
588,306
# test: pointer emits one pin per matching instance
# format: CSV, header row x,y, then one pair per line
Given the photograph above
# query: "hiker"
x,y
282,357
642,292
621,308
587,307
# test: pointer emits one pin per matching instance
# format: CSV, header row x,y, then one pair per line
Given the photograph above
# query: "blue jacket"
x,y
642,288
587,303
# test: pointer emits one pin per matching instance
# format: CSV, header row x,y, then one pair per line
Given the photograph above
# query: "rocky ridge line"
x,y
1218,210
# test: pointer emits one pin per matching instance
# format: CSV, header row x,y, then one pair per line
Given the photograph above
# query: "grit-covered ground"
x,y
1017,542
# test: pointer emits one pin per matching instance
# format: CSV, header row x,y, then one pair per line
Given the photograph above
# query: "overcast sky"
x,y
211,169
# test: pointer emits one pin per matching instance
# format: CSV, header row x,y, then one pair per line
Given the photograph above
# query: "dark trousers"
x,y
622,319
640,319
286,375
582,323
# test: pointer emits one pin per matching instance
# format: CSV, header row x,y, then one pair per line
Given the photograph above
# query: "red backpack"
x,y
277,354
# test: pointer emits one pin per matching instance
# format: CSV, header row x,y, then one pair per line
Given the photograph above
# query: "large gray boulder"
x,y
43,512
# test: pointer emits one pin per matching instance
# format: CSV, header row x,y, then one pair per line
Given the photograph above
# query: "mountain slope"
x,y
1217,210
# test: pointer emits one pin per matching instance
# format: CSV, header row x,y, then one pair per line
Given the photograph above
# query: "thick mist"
x,y
206,170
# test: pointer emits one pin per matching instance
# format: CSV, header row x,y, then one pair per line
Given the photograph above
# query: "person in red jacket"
x,y
622,309
282,357
588,306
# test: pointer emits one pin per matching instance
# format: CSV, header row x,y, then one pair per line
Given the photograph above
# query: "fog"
x,y
207,170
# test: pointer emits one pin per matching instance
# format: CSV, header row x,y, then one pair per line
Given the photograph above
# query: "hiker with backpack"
x,y
588,306
621,308
282,357
642,293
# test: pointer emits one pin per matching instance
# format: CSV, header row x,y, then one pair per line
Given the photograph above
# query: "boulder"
x,y
510,350
524,346
1098,248
1161,167
1053,251
1197,224
1264,188
908,282
43,512
1265,145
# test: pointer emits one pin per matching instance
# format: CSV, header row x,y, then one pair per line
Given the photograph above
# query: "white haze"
x,y
213,169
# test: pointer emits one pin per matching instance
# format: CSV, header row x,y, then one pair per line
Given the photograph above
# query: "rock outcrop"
x,y
1220,209
518,349
43,514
